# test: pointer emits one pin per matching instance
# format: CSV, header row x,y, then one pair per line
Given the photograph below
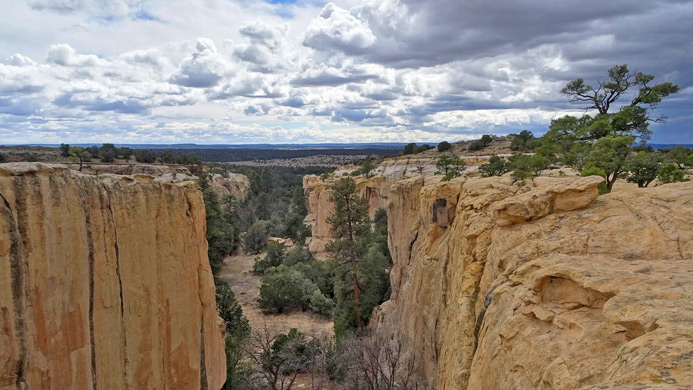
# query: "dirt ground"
x,y
237,271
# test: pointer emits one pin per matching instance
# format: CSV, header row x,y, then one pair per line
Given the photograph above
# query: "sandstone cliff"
x,y
543,287
104,283
377,187
134,169
235,184
318,191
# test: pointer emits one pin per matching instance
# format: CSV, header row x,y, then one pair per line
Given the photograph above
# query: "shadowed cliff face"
x,y
104,283
543,287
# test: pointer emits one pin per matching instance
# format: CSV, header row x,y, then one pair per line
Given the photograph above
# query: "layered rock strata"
x,y
548,286
105,283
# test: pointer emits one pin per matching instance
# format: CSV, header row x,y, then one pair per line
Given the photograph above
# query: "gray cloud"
x,y
396,69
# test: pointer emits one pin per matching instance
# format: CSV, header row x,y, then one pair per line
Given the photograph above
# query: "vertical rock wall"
x,y
104,283
542,287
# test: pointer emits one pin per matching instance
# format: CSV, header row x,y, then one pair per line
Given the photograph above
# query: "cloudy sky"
x,y
292,71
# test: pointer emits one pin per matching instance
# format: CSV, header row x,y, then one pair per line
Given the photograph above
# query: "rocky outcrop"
x,y
375,188
105,283
549,286
317,192
234,184
135,169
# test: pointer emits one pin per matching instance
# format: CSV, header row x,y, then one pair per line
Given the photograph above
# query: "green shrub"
x,y
642,168
410,148
65,150
481,143
524,141
476,145
274,258
285,289
450,166
423,148
532,164
255,239
320,304
443,146
145,156
297,255
594,171
520,175
230,310
496,166
670,173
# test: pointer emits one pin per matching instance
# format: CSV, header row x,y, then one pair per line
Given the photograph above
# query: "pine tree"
x,y
349,222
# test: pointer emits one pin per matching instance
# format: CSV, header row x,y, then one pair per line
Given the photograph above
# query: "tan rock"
x,y
234,184
105,283
546,286
134,169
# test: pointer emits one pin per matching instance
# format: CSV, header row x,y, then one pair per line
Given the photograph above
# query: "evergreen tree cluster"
x,y
605,143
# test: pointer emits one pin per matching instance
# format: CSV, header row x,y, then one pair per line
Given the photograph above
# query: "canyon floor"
x,y
238,272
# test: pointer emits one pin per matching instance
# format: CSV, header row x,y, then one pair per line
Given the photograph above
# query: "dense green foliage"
x,y
255,239
450,166
294,281
359,256
2,158
643,168
604,142
444,146
610,154
167,157
223,232
107,153
524,165
274,258
523,142
223,236
496,166
286,289
680,156
670,173
276,196
413,148
481,143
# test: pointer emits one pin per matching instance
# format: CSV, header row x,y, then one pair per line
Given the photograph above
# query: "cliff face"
x,y
377,187
545,287
104,283
235,184
318,191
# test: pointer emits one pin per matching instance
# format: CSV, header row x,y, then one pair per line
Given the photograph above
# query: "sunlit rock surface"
x,y
548,286
105,283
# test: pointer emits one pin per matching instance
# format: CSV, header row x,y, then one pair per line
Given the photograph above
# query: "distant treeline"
x,y
233,155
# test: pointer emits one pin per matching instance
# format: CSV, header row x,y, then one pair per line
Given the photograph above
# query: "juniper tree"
x,y
450,165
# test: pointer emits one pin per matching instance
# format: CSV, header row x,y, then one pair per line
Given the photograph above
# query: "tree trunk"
x,y
354,277
357,307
